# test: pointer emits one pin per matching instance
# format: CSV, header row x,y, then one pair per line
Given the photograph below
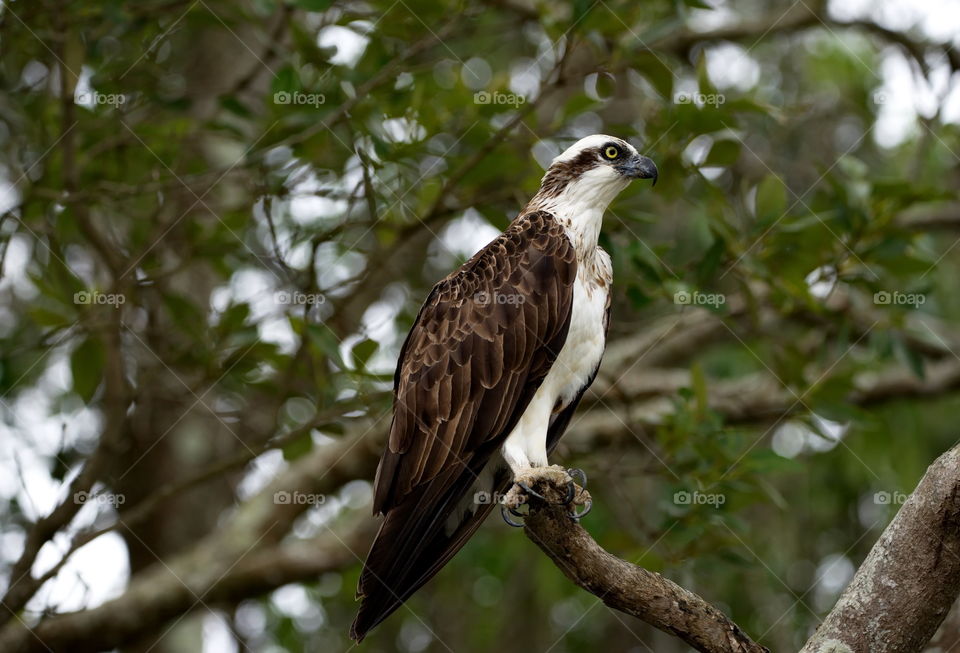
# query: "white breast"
x,y
585,342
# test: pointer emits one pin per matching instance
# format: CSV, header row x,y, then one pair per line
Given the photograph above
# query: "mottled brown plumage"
x,y
479,349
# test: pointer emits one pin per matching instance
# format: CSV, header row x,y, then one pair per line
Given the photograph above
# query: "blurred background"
x,y
219,220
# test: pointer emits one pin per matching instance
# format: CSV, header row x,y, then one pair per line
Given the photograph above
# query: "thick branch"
x,y
625,586
945,217
905,587
643,398
806,16
217,567
167,592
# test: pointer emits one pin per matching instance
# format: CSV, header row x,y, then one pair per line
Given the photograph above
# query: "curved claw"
x,y
529,490
575,474
505,512
577,516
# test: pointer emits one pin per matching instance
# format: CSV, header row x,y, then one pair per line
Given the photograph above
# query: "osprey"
x,y
492,370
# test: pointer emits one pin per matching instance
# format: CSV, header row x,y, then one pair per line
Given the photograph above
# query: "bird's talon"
x,y
578,474
577,516
577,500
575,489
526,488
506,511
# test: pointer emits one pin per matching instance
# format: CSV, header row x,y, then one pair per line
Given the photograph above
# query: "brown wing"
x,y
479,349
481,345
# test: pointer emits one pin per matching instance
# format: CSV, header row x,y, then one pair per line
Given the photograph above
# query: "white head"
x,y
591,172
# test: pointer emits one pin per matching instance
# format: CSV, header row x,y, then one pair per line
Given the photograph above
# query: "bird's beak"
x,y
639,167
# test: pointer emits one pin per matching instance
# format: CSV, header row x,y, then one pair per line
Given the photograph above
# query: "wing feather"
x,y
485,324
477,352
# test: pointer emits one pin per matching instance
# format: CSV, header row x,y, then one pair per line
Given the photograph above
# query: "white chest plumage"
x,y
585,341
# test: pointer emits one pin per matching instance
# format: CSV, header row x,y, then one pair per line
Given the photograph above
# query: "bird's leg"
x,y
523,481
526,479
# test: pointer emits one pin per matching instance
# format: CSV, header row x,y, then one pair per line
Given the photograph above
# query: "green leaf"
x,y
286,81
298,447
699,381
771,199
637,297
657,73
332,427
183,312
326,342
708,265
910,356
363,351
86,366
723,153
580,9
234,317
313,5
235,106
47,317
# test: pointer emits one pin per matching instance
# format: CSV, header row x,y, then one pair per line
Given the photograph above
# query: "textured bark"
x,y
895,603
905,587
626,587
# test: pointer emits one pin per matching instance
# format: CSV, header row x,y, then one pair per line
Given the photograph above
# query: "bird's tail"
x,y
419,536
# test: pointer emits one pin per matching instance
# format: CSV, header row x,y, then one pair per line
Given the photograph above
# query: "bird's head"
x,y
594,169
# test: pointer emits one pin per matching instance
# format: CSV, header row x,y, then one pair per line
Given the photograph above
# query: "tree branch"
x,y
898,598
220,560
905,587
167,591
624,586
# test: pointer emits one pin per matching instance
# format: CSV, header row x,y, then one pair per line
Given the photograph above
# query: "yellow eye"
x,y
611,152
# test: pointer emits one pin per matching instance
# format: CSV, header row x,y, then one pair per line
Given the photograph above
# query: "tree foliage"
x,y
220,220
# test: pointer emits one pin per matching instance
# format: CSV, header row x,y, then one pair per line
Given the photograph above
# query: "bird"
x,y
492,370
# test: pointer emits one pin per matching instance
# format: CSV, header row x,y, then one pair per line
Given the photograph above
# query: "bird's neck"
x,y
579,208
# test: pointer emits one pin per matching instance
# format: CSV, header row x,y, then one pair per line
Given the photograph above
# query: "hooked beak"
x,y
638,167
